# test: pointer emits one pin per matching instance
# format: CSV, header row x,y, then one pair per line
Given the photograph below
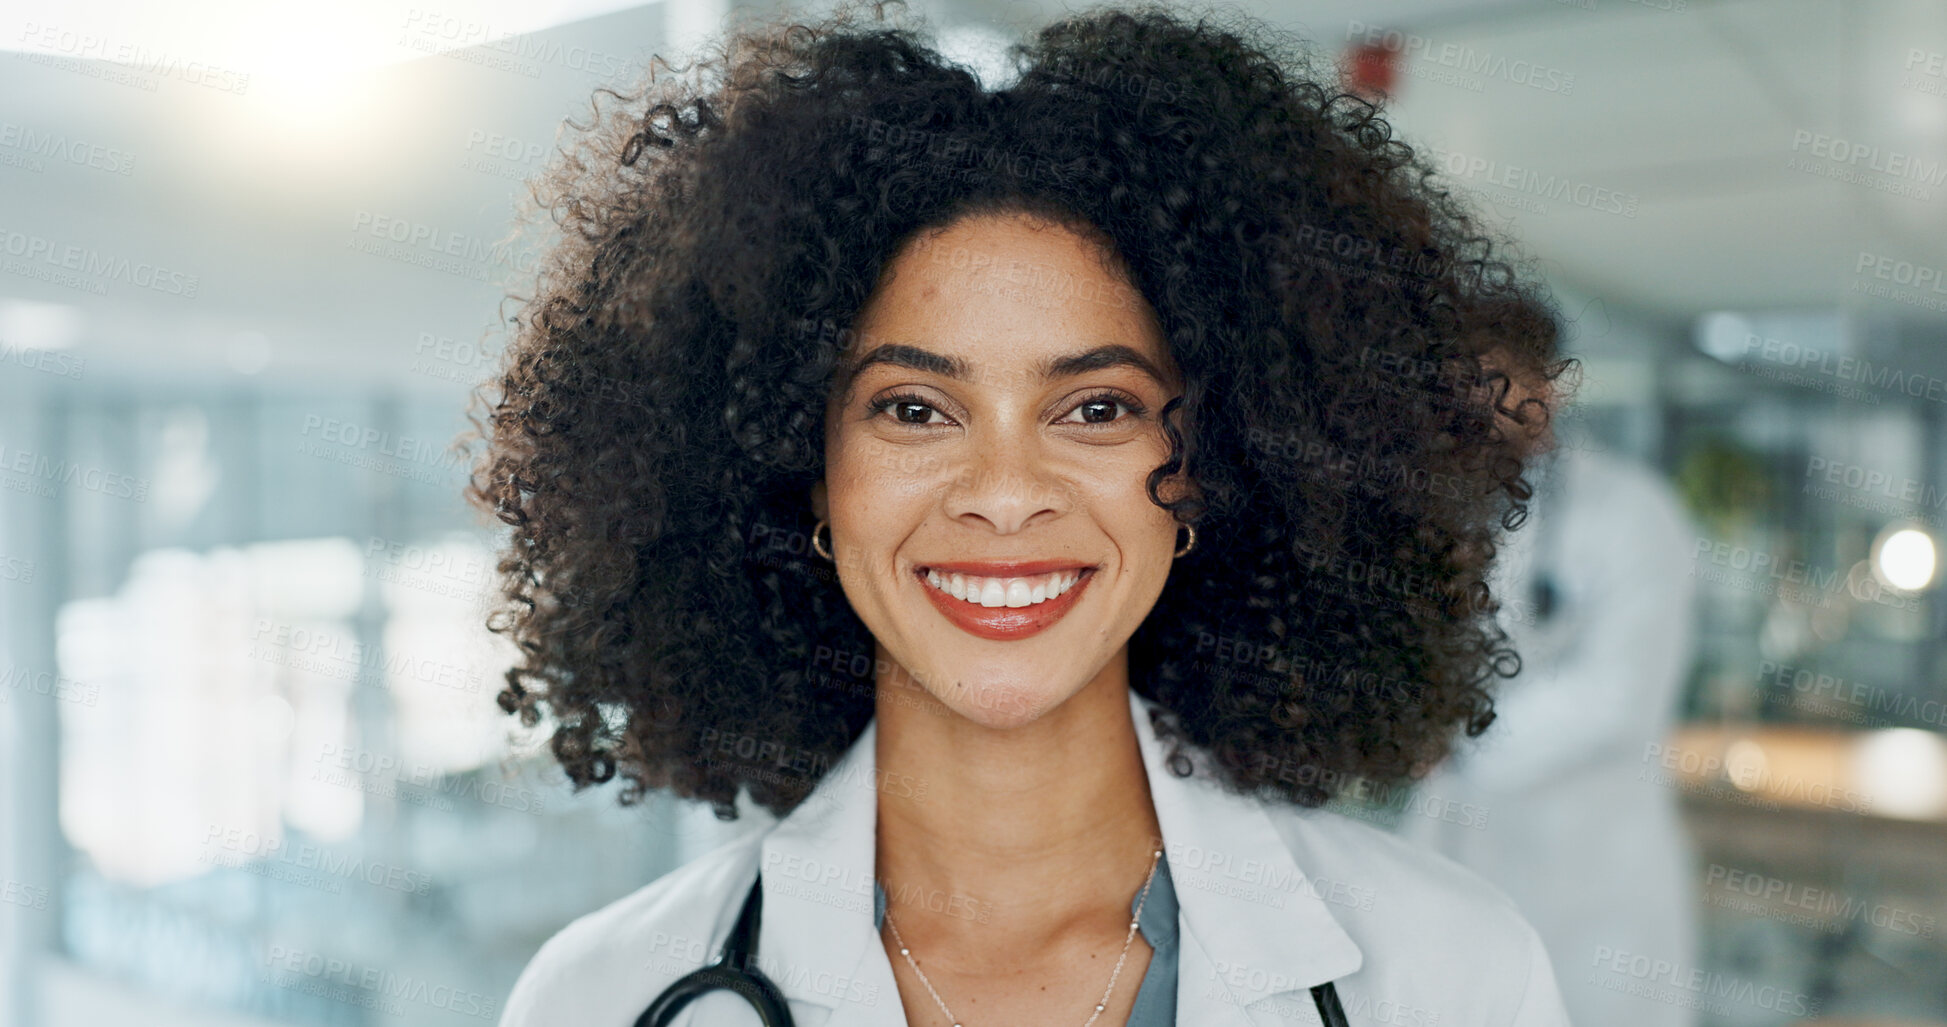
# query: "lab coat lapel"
x,y
1256,936
816,940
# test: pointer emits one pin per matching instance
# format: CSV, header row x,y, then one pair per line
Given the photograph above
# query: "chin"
x,y
1001,704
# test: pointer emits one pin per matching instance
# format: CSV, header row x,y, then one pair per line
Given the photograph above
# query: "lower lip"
x,y
1005,623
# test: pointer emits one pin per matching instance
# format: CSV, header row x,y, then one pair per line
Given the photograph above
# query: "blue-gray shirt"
x,y
1156,1002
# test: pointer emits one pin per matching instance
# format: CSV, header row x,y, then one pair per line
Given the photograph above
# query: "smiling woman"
x,y
1035,441
1153,415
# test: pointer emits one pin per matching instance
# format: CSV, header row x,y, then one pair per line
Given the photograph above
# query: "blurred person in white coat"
x,y
1597,600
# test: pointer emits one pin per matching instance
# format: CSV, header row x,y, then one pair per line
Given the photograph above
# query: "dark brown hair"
x,y
1344,329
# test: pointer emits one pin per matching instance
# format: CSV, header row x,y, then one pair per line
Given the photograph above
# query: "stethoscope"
x,y
735,969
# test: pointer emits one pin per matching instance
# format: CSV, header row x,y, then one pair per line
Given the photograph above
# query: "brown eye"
x,y
907,408
1099,411
1102,409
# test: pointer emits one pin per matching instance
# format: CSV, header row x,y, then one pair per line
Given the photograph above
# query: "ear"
x,y
820,504
1180,486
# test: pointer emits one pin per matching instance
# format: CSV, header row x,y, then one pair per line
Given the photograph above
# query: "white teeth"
x,y
997,592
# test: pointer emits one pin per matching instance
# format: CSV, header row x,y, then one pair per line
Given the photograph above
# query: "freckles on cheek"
x,y
880,491
895,470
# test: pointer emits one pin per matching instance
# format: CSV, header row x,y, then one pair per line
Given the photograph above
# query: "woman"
x,y
1043,499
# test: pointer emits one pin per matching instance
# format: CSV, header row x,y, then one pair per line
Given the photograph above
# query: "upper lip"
x,y
1004,568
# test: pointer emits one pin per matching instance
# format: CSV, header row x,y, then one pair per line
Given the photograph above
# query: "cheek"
x,y
878,494
1122,506
868,471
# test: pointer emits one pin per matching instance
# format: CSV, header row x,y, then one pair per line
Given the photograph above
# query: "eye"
x,y
907,408
1101,409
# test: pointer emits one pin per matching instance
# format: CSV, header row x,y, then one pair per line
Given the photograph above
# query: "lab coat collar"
x,y
1254,918
1253,926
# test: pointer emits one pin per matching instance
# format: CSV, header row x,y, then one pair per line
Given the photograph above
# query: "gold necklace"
x,y
1099,1006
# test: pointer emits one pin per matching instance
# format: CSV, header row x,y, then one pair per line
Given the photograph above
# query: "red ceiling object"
x,y
1370,69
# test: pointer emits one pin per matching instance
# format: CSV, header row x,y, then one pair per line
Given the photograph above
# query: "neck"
x,y
1023,834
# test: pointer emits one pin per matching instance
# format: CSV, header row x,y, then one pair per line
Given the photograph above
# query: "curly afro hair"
x,y
1348,339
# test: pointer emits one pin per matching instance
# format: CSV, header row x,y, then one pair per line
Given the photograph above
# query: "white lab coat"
x,y
1272,900
1593,853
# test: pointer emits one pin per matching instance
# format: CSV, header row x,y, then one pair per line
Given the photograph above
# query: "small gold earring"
x,y
822,550
1187,546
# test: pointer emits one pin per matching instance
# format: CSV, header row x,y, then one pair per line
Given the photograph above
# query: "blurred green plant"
x,y
1724,483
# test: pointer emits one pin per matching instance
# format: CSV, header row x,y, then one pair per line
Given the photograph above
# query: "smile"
x,y
992,592
1004,601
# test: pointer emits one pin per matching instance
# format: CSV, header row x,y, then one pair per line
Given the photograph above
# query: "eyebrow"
x,y
914,357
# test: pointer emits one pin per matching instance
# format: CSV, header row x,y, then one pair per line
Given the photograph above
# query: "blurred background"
x,y
251,262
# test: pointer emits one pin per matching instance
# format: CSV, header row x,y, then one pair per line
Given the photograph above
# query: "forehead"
x,y
1007,290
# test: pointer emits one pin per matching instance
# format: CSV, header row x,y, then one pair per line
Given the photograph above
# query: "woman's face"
x,y
994,422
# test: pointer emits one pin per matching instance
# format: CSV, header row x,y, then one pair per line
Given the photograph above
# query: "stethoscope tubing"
x,y
735,970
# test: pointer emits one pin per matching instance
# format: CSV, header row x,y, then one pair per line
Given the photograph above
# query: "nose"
x,y
1006,483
